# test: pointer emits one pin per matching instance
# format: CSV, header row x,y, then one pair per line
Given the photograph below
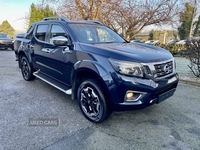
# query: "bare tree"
x,y
87,9
194,4
96,9
44,3
127,17
193,54
133,16
68,9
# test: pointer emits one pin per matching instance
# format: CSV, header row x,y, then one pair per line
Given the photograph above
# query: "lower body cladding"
x,y
134,93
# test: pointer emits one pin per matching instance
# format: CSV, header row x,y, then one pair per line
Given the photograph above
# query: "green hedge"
x,y
174,48
190,50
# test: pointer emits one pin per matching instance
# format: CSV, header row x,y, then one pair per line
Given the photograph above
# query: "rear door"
x,y
37,46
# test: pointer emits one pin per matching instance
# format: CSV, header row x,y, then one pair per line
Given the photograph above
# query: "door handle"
x,y
46,50
30,46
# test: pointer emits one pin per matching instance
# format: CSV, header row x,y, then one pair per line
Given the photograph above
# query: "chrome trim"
x,y
166,68
46,50
153,70
131,103
142,94
68,92
77,63
172,79
152,101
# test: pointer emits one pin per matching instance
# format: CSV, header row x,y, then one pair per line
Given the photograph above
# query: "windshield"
x,y
4,36
95,34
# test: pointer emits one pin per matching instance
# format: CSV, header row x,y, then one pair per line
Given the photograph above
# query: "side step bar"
x,y
52,82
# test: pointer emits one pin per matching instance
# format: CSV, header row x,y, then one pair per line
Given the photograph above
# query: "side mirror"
x,y
60,41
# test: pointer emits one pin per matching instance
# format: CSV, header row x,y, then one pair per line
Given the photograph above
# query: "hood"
x,y
6,39
137,52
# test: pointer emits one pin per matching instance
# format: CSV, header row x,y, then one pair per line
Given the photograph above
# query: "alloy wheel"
x,y
90,102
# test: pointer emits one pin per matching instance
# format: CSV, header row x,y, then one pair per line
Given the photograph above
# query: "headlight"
x,y
127,68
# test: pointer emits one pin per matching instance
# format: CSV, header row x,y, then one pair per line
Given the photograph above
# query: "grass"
x,y
184,71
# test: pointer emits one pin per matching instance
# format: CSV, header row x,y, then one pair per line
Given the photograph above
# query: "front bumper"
x,y
155,92
9,45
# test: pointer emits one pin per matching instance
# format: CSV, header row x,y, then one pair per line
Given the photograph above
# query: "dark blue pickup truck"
x,y
96,66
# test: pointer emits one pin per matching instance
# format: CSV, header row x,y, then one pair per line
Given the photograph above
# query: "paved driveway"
x,y
25,106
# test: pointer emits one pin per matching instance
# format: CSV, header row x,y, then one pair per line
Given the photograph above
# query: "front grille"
x,y
164,69
5,42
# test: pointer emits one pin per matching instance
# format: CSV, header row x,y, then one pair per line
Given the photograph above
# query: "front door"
x,y
58,58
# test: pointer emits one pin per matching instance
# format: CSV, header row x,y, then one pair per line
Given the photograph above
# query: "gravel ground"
x,y
172,125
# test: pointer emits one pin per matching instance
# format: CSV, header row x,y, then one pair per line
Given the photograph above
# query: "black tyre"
x,y
26,69
92,101
12,48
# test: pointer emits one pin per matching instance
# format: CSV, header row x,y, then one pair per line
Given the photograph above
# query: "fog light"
x,y
129,96
134,95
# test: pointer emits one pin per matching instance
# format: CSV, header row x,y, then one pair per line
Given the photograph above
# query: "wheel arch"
x,y
82,72
23,53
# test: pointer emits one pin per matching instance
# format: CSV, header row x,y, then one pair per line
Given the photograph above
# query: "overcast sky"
x,y
13,10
